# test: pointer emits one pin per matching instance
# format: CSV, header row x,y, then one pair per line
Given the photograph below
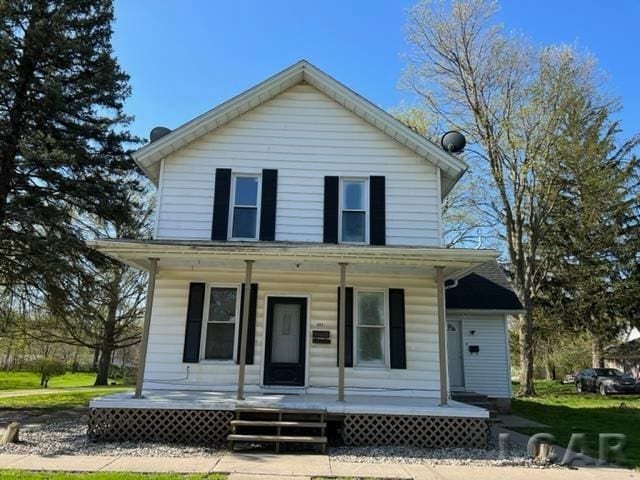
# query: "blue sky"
x,y
187,56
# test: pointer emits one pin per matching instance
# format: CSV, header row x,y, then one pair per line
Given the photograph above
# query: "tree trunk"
x,y
526,353
549,369
597,357
96,357
104,365
74,364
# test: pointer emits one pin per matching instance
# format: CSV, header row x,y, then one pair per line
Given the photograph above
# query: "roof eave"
x,y
148,156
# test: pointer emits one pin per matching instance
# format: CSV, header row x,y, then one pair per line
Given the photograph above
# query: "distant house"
x,y
297,271
626,355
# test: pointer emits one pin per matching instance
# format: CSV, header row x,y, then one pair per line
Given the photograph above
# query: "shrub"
x,y
48,367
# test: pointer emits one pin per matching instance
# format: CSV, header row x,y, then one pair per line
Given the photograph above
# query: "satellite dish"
x,y
453,142
157,133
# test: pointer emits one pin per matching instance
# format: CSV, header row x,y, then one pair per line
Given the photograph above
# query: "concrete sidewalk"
x,y
267,466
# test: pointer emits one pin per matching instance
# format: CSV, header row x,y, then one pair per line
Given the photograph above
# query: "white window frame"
x,y
385,327
205,322
364,180
232,206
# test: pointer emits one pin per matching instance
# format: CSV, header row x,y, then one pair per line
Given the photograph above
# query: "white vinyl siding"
x,y
486,372
305,135
165,370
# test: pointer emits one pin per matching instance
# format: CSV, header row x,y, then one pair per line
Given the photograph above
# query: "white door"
x,y
454,350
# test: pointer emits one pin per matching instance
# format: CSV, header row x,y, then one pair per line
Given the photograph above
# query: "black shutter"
x,y
396,328
221,204
193,330
377,217
348,334
331,192
268,206
251,333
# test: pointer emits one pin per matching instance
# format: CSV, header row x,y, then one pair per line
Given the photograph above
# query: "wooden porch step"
x,y
275,438
280,410
277,423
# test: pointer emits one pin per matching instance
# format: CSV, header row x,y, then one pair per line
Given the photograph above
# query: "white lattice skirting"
x,y
176,426
212,427
425,432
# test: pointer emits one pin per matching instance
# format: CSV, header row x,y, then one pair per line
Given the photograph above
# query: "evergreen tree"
x,y
591,249
62,135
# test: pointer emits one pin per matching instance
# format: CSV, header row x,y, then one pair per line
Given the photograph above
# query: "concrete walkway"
x,y
266,466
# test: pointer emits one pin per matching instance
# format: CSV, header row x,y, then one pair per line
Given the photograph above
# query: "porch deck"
x,y
353,404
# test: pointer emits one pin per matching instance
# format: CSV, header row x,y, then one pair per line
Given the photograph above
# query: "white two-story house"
x,y
297,263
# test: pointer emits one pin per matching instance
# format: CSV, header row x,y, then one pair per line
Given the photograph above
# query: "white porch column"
x,y
144,341
341,329
442,335
244,332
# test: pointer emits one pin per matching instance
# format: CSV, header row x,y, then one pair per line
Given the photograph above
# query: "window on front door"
x,y
370,328
245,207
353,211
220,338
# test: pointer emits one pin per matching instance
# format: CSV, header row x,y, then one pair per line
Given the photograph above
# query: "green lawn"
x,y
17,475
567,412
22,391
57,401
23,380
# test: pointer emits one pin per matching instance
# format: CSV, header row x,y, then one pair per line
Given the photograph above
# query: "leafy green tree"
x,y
48,367
62,136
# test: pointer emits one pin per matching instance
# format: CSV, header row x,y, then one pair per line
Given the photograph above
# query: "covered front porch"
x,y
401,398
313,271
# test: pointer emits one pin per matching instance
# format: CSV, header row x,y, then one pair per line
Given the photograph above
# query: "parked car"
x,y
605,381
569,379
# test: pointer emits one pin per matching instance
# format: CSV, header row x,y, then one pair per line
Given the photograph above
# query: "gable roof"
x,y
148,157
485,288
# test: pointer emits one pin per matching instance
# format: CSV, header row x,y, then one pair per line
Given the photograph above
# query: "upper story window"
x,y
354,210
221,320
245,207
371,321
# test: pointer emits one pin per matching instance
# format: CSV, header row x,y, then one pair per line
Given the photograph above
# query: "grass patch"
x,y
30,380
16,475
57,401
567,412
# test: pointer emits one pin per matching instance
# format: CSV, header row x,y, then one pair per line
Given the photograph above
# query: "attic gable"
x,y
148,158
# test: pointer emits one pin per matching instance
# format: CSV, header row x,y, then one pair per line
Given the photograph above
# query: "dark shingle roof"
x,y
486,288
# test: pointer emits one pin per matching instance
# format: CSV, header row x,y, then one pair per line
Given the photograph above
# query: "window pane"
x,y
353,227
353,195
246,191
370,308
244,222
370,346
285,340
219,344
222,304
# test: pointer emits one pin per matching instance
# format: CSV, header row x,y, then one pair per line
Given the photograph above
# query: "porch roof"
x,y
315,256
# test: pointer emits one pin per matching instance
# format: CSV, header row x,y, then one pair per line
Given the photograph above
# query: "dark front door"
x,y
285,342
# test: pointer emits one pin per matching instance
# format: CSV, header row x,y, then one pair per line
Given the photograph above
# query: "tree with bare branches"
x,y
510,99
